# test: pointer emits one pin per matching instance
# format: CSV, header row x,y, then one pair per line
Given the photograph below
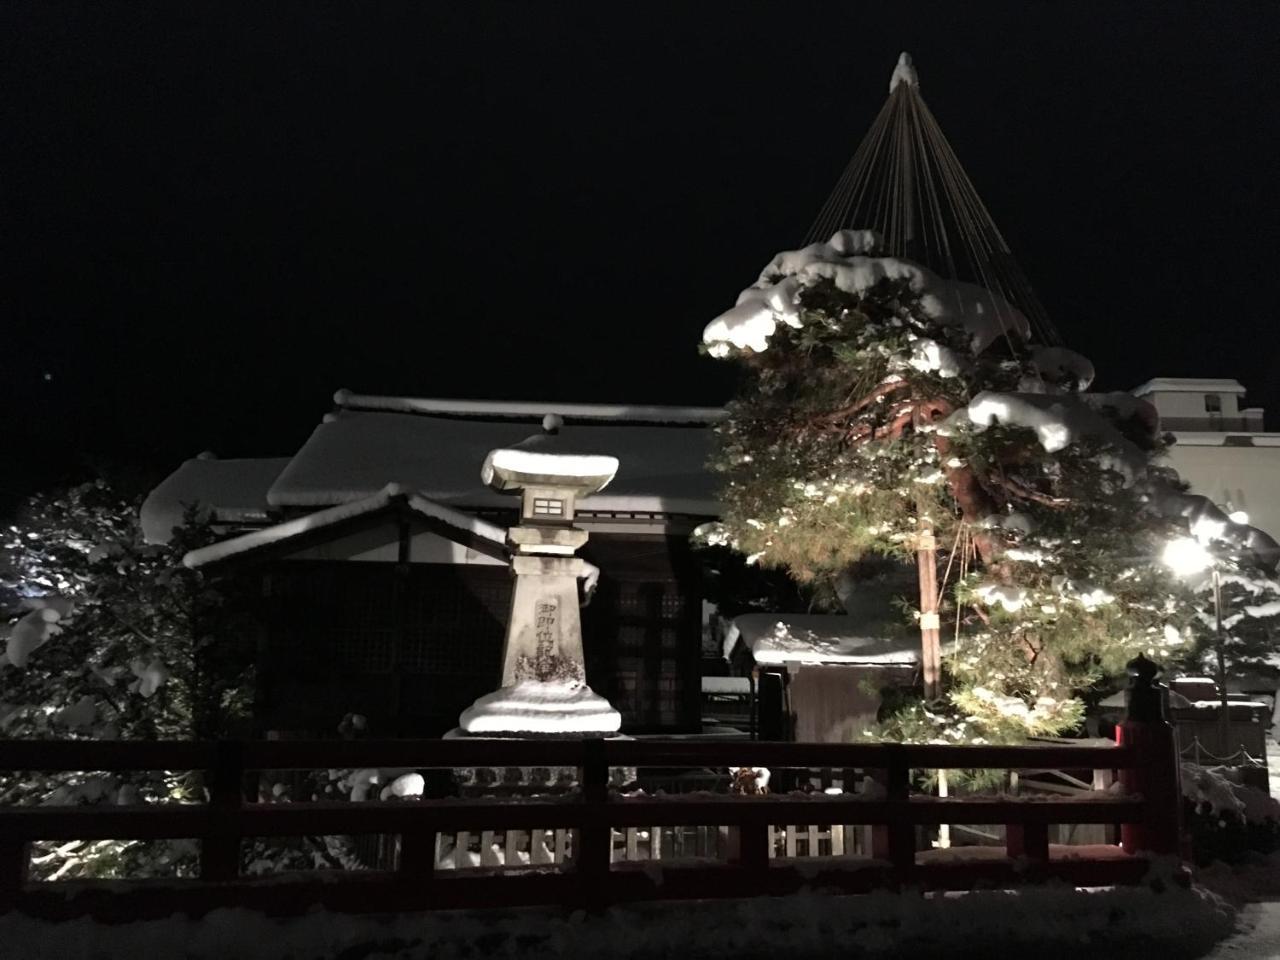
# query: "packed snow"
x,y
592,470
353,456
844,260
537,706
32,631
1011,598
815,638
225,491
1158,918
483,530
904,72
1223,792
151,675
1057,421
929,356
1062,367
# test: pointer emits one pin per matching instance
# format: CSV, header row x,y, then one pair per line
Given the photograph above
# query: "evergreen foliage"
x,y
853,431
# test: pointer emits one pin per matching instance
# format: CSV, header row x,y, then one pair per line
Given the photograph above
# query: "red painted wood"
x,y
1148,762
1027,840
1157,780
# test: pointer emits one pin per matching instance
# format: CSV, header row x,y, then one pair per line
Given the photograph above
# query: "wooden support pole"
x,y
930,625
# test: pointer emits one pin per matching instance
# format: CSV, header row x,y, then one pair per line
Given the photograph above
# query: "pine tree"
x,y
883,410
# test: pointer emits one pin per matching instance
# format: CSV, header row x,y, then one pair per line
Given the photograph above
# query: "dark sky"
x,y
216,214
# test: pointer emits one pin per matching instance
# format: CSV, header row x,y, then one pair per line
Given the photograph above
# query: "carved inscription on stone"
x,y
546,626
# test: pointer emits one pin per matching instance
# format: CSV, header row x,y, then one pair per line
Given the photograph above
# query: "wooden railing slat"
x,y
746,824
53,755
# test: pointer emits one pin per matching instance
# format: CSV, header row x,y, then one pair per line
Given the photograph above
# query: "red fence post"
x,y
895,841
1029,840
15,861
220,846
1156,774
594,839
417,854
752,851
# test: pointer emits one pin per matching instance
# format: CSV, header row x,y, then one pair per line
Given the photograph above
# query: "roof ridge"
x,y
532,410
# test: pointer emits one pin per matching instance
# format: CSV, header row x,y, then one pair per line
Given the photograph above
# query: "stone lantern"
x,y
544,689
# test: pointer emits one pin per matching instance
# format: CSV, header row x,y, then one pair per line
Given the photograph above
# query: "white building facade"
x,y
1222,448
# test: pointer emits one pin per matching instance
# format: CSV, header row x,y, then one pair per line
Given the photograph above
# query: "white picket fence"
x,y
481,849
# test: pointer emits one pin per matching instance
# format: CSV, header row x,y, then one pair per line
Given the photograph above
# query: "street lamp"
x,y
1187,557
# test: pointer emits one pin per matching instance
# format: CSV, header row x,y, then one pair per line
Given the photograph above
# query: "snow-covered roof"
x,y
483,536
234,491
356,452
726,685
776,638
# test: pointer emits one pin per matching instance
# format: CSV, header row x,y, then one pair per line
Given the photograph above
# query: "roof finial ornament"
x,y
904,72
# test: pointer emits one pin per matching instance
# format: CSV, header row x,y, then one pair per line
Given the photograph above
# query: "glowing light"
x,y
1238,516
1186,557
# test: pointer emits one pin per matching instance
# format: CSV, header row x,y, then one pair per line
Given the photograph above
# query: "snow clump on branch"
x,y
847,262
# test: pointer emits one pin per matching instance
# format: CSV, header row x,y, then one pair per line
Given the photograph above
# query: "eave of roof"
x,y
479,535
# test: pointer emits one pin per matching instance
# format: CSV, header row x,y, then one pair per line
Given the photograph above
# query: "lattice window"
x,y
546,507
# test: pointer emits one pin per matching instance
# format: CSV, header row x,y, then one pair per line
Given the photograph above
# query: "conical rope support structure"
x,y
906,183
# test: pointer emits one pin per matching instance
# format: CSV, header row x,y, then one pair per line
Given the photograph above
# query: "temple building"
x,y
382,562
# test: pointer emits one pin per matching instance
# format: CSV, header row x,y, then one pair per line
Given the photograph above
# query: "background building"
x,y
1222,448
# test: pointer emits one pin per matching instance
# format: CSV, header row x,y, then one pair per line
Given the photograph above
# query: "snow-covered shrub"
x,y
112,638
1227,818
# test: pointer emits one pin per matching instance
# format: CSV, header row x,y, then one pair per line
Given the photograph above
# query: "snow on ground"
x,y
1049,922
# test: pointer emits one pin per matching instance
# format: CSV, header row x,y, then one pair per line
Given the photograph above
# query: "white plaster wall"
x,y
1183,404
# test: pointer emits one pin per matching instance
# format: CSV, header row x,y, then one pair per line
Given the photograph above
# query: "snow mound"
x,y
845,261
816,638
904,72
1156,919
1223,791
1058,421
537,706
595,470
36,628
1063,368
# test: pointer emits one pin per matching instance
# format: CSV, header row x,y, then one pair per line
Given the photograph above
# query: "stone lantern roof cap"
x,y
546,460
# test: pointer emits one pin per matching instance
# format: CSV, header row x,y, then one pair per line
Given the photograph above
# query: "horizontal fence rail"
x,y
581,846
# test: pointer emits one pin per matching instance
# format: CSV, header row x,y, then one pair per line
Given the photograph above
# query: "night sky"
x,y
214,215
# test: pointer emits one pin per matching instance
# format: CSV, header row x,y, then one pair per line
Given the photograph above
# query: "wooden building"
x,y
379,559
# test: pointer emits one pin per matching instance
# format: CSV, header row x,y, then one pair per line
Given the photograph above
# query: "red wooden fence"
x,y
1147,766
